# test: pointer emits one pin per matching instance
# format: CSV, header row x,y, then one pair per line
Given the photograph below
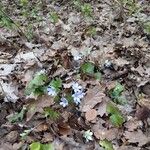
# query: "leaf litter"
x,y
82,42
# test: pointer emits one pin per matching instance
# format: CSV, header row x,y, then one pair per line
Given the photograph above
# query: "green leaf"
x,y
147,27
50,113
54,17
107,145
91,31
17,116
40,79
35,86
117,90
117,120
35,146
56,83
98,76
116,117
112,109
86,9
5,21
23,2
39,146
47,147
120,100
115,94
87,68
77,3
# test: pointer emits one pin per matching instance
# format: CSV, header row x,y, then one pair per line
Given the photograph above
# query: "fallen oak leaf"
x,y
92,98
42,127
102,108
38,105
137,137
145,102
133,124
142,113
64,129
110,134
91,114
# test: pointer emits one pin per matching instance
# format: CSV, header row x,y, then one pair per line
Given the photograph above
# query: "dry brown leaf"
x,y
110,85
146,88
110,134
102,108
12,136
137,137
18,146
142,113
128,42
121,62
64,128
6,146
145,102
143,72
47,137
93,97
41,127
38,105
90,114
133,124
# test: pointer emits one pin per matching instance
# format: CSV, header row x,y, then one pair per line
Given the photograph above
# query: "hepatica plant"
x,y
116,94
37,85
89,69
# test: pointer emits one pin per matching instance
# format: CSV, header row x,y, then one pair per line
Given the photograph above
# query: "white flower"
x,y
41,72
77,56
76,87
77,97
64,102
107,64
88,135
51,91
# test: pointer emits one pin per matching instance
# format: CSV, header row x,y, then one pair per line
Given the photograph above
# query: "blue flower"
x,y
76,87
51,91
64,102
77,96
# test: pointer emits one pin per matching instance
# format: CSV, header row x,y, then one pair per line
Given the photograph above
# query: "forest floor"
x,y
75,75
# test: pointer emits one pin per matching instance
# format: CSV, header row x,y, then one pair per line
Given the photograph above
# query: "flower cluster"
x,y
78,93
